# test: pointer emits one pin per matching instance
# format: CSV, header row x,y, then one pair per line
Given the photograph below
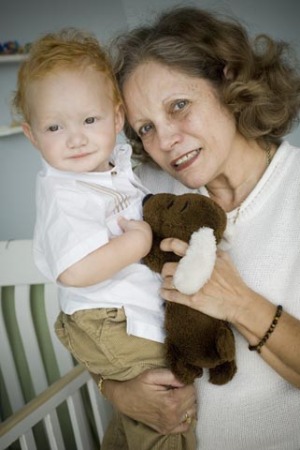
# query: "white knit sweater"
x,y
257,410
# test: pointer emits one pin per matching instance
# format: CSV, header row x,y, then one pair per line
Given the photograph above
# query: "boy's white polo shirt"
x,y
78,213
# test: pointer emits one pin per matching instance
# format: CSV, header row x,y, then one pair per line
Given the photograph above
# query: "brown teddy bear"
x,y
194,341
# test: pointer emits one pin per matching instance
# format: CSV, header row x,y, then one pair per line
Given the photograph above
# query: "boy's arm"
x,y
109,259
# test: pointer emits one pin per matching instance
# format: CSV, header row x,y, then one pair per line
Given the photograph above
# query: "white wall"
x,y
24,20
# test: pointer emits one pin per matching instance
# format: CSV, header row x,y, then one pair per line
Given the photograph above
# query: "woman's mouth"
x,y
186,160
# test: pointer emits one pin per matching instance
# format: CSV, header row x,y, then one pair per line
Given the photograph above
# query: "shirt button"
x,y
114,172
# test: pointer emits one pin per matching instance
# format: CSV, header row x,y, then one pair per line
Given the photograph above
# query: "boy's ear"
x,y
28,133
119,118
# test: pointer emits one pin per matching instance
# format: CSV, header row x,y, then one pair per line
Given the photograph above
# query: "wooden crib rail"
x,y
43,407
41,387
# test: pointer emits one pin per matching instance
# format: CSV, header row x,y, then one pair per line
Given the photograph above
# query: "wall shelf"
x,y
8,131
12,58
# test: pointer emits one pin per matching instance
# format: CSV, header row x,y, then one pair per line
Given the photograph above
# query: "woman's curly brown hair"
x,y
257,80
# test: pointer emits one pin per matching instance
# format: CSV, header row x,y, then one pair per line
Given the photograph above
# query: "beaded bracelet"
x,y
269,332
100,385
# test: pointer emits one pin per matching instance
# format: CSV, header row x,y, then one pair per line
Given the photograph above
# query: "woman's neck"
x,y
233,186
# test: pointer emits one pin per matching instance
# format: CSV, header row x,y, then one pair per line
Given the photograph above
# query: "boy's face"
x,y
73,120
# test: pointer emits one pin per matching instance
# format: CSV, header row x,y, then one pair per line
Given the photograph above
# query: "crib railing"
x,y
46,400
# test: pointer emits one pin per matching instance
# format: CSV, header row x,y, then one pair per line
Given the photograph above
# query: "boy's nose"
x,y
76,139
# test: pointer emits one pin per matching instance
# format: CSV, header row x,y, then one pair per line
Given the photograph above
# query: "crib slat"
x,y
44,329
28,337
54,432
79,423
102,409
8,369
63,357
43,298
27,441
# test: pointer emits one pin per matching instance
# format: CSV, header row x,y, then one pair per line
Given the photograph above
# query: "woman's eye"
x,y
53,128
145,129
90,120
179,105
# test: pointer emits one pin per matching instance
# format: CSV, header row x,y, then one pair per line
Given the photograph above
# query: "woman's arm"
x,y
109,259
154,398
226,296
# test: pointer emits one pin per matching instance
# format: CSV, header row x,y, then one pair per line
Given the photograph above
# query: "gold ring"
x,y
187,418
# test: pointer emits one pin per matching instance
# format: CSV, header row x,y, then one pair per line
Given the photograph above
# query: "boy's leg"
x,y
99,340
124,433
94,339
114,437
141,437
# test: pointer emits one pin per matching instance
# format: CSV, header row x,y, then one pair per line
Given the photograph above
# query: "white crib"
x,y
47,401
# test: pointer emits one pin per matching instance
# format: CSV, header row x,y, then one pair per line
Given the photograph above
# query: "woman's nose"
x,y
169,136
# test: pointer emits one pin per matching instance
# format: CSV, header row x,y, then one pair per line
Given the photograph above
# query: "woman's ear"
x,y
119,118
228,73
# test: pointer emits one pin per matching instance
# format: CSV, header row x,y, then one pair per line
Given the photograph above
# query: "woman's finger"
x,y
174,245
169,269
172,295
167,283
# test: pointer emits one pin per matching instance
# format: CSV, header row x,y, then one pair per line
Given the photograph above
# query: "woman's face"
x,y
181,122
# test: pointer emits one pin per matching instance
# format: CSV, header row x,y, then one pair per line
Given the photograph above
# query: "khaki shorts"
x,y
97,338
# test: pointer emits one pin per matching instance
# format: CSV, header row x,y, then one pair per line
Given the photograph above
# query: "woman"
x,y
210,108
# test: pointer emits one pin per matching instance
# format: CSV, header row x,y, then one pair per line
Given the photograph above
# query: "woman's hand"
x,y
220,297
226,296
154,398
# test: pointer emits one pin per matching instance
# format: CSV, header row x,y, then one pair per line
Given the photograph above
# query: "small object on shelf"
x,y
9,48
13,48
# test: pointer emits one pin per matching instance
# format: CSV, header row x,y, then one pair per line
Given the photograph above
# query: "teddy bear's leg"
x,y
222,373
225,342
185,372
225,345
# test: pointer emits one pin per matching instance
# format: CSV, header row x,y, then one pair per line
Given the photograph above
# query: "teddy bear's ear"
x,y
146,198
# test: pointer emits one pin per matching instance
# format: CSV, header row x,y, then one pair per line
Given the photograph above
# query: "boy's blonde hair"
x,y
69,48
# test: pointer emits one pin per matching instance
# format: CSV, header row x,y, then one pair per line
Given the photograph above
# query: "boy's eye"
x,y
53,128
145,129
90,120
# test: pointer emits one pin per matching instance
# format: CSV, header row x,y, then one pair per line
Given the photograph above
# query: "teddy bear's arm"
x,y
195,268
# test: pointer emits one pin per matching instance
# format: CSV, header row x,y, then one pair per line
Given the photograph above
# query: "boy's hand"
x,y
142,231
